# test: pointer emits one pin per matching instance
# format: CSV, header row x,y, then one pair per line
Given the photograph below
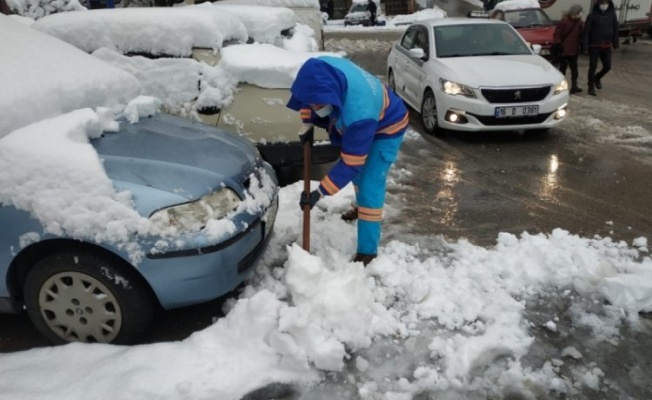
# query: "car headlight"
x,y
454,88
561,86
194,215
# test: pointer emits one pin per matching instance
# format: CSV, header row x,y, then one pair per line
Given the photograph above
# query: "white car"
x,y
475,75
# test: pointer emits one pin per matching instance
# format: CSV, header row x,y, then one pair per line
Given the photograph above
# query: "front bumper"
x,y
478,113
194,275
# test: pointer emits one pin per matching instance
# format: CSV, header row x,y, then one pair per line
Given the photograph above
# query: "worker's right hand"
x,y
309,200
307,133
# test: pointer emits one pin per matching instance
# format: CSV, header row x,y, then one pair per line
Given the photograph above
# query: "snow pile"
x,y
36,9
33,81
263,65
182,85
171,31
23,20
302,40
264,24
275,3
429,13
509,5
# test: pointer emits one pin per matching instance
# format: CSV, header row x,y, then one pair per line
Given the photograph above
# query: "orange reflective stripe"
x,y
385,103
330,187
396,127
305,113
370,214
353,160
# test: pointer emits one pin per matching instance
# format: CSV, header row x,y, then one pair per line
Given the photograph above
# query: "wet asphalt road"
x,y
476,185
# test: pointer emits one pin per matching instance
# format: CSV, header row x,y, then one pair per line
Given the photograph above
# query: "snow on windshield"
x,y
276,3
516,5
42,77
159,31
264,24
264,65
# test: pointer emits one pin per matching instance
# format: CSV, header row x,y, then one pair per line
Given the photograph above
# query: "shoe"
x,y
598,84
350,215
592,92
363,258
575,89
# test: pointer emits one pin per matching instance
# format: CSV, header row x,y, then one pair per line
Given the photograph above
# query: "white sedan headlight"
x,y
194,215
454,88
561,86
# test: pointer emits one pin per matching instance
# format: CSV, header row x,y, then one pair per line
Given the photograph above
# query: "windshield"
x,y
527,19
359,7
471,40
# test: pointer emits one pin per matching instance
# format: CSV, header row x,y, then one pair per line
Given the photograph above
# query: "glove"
x,y
307,133
310,199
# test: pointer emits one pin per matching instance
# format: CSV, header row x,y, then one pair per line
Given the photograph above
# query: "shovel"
x,y
307,157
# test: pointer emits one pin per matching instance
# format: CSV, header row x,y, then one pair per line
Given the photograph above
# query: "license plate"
x,y
516,111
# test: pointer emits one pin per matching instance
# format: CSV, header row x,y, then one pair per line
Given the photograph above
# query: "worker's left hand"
x,y
310,199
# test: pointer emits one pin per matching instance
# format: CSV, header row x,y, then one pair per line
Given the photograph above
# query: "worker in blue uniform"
x,y
368,121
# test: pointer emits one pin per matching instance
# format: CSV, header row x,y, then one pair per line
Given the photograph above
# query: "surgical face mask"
x,y
325,111
603,7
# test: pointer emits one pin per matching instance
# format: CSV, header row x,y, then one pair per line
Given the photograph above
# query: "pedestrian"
x,y
568,36
367,120
371,7
600,36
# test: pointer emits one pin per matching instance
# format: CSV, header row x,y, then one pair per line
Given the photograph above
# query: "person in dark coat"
x,y
568,33
372,8
600,36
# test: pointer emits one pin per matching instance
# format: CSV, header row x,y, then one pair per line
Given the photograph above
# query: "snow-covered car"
x,y
475,75
358,15
106,220
532,23
185,70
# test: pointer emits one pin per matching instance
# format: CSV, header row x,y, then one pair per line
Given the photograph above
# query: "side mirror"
x,y
417,53
536,48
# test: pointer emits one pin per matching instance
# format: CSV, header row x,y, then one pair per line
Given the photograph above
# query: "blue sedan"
x,y
80,290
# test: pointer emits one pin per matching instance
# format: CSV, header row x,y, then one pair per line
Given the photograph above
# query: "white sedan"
x,y
475,75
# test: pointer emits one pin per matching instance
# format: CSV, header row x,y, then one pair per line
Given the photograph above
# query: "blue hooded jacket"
x,y
364,110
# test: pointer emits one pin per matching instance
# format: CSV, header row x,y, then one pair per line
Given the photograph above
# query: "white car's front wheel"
x,y
391,82
429,113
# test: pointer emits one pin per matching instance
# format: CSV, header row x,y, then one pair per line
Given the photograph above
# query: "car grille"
x,y
516,95
493,121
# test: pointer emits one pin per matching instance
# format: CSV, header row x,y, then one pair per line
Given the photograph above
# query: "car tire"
x,y
84,296
390,81
428,113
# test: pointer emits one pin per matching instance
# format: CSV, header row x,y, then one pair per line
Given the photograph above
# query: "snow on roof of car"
x,y
172,31
42,77
264,65
276,3
263,23
509,5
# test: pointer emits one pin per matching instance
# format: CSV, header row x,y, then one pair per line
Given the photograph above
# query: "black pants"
x,y
569,61
604,55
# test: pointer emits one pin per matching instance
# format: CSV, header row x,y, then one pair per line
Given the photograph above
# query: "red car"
x,y
532,23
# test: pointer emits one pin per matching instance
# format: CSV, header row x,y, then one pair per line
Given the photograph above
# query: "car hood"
x,y
538,35
179,159
525,70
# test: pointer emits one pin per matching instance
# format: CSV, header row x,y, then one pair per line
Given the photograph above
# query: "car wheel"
x,y
429,113
391,82
82,296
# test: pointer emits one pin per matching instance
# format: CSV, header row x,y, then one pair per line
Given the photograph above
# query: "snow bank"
x,y
159,31
36,9
430,13
509,5
35,70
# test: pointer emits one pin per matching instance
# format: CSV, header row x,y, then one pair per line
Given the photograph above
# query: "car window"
x,y
408,39
527,18
358,7
469,40
421,40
